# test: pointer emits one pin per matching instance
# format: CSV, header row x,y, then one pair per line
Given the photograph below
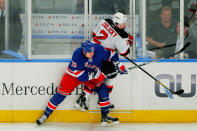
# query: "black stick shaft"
x,y
163,47
150,75
181,50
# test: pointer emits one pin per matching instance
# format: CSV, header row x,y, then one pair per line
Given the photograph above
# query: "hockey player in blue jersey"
x,y
111,34
84,69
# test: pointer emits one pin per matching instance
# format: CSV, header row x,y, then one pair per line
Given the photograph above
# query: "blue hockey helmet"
x,y
87,46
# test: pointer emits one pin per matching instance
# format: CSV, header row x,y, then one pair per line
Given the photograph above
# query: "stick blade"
x,y
168,93
179,92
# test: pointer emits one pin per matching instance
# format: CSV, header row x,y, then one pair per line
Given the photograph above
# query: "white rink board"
x,y
23,87
143,87
135,91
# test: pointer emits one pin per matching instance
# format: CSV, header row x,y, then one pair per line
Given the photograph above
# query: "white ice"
x,y
96,127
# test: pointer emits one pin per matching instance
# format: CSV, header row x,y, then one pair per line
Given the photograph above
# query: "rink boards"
x,y
26,87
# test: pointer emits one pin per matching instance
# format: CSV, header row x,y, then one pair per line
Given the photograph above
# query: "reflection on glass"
x,y
15,26
102,10
2,26
11,49
138,34
191,19
110,6
57,26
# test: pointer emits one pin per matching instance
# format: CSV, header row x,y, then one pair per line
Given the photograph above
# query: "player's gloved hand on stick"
x,y
97,77
130,40
94,75
121,68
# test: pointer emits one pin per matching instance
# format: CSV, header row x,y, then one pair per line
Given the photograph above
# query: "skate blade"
x,y
107,124
77,106
38,123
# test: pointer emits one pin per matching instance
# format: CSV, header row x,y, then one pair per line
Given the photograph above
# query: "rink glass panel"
x,y
191,51
58,27
158,12
12,32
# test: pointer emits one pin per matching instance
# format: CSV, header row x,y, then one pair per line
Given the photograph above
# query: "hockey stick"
x,y
113,73
168,93
163,47
177,92
178,52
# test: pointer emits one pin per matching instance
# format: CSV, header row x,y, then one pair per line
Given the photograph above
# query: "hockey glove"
x,y
97,78
94,75
130,40
121,68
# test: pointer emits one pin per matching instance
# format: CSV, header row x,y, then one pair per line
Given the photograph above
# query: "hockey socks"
x,y
53,103
103,93
104,104
110,88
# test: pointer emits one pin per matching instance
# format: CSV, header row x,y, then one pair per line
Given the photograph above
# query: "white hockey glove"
x,y
94,75
97,78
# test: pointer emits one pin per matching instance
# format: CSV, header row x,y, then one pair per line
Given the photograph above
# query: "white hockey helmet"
x,y
119,18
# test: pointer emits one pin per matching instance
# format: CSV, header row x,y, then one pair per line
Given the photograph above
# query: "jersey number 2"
x,y
97,38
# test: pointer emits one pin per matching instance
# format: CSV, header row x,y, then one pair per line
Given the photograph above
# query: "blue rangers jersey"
x,y
80,66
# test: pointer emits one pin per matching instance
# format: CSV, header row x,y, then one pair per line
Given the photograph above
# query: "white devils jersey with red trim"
x,y
110,37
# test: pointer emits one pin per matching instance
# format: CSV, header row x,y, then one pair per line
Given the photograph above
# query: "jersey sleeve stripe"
x,y
112,50
75,73
126,53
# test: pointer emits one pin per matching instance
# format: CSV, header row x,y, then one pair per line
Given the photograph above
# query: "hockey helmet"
x,y
87,46
119,18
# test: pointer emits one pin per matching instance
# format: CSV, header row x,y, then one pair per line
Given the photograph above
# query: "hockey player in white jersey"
x,y
111,34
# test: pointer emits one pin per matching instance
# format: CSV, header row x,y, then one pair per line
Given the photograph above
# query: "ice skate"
x,y
81,104
107,120
42,119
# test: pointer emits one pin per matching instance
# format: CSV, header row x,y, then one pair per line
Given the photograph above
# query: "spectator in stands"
x,y
192,37
2,26
110,6
80,7
103,7
178,45
190,31
162,32
15,27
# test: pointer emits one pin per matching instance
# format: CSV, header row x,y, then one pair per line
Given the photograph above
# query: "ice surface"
x,y
96,127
